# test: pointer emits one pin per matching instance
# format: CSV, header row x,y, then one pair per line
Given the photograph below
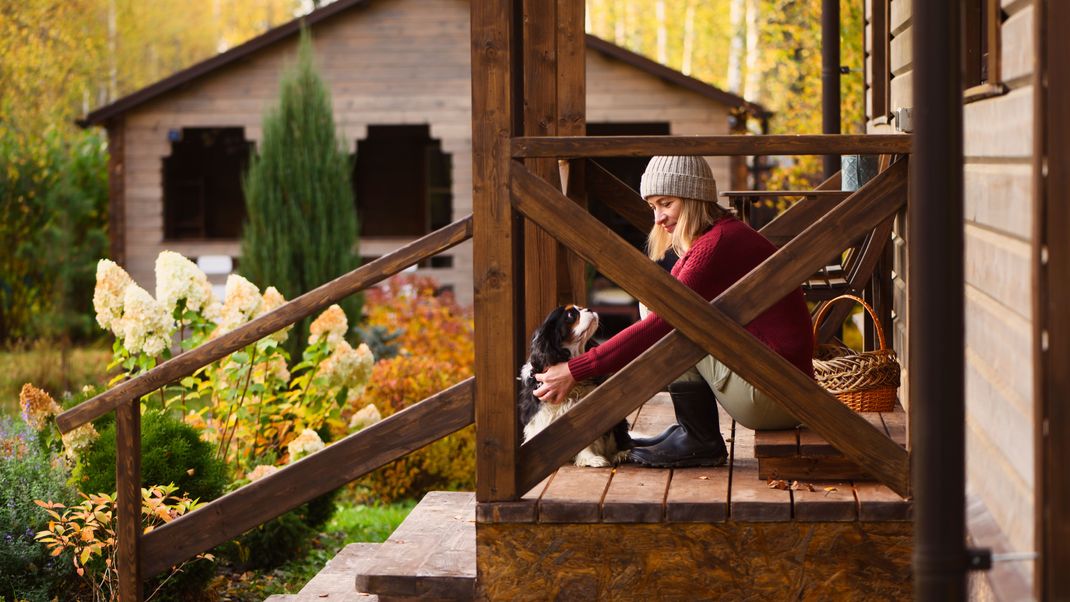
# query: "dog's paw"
x,y
591,461
620,457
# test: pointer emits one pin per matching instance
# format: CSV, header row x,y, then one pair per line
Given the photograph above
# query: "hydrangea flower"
x,y
242,303
330,325
273,299
261,471
109,293
178,278
37,406
365,417
348,367
146,326
306,444
78,440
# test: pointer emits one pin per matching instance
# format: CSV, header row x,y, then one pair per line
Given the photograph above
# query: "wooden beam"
x,y
495,252
646,146
1051,323
339,463
799,216
128,500
541,251
737,348
307,304
117,189
572,121
618,196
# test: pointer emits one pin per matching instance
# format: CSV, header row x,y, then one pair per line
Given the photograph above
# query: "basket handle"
x,y
872,314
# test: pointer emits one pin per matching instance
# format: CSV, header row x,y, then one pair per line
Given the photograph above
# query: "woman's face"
x,y
666,211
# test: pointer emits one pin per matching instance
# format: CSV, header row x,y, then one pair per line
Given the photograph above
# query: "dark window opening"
x,y
202,191
401,181
981,27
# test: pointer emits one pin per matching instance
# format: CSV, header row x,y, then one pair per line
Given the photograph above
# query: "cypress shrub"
x,y
302,224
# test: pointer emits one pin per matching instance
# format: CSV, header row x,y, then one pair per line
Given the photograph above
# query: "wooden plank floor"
x,y
635,494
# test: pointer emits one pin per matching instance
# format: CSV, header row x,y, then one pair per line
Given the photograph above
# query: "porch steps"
x,y
336,581
431,555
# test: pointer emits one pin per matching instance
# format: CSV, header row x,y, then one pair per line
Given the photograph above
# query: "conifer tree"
x,y
301,230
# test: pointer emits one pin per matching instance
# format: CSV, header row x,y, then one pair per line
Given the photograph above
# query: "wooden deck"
x,y
735,492
639,533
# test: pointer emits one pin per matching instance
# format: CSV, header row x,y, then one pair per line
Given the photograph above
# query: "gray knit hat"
x,y
684,177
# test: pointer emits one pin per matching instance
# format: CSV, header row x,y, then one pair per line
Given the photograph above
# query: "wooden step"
x,y
431,555
336,581
803,455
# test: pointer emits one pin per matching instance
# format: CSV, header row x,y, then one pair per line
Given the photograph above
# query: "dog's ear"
x,y
548,342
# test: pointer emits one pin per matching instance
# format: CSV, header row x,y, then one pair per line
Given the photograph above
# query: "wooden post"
x,y
1051,322
128,499
495,234
554,105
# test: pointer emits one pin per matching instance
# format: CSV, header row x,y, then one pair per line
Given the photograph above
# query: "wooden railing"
x,y
140,556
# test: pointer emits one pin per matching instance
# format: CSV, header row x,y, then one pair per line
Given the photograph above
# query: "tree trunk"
x,y
689,37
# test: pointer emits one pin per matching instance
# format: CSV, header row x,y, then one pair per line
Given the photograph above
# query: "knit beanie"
x,y
684,177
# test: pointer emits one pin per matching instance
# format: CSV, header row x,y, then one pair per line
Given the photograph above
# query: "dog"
x,y
566,333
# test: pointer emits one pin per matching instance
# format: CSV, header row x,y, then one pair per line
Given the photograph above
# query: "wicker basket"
x,y
865,382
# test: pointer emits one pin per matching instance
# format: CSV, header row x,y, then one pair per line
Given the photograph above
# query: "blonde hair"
x,y
695,218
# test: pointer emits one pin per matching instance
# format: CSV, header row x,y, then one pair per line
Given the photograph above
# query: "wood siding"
x,y
998,207
392,62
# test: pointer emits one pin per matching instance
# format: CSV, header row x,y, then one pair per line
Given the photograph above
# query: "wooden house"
x,y
1009,297
958,495
399,74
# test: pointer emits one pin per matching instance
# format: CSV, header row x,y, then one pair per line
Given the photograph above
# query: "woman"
x,y
715,251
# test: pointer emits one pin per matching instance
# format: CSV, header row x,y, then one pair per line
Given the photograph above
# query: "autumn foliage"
x,y
436,351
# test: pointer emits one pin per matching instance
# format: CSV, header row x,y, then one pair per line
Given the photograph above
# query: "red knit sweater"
x,y
717,259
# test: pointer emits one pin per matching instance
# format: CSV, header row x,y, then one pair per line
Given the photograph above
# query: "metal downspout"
x,y
830,77
935,307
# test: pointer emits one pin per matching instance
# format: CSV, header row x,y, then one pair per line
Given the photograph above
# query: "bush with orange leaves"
x,y
436,350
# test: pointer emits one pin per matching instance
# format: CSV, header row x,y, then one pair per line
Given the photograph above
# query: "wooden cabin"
x,y
399,74
957,493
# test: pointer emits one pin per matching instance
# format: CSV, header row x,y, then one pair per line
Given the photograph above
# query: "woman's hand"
x,y
557,382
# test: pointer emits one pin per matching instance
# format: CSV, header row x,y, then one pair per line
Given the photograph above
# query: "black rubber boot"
x,y
697,441
656,439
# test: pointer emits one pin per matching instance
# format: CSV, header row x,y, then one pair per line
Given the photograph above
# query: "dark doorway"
x,y
202,191
616,308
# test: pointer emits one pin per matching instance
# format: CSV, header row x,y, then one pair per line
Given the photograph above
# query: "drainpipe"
x,y
830,77
935,312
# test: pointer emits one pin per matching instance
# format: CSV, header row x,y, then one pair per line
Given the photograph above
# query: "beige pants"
x,y
745,404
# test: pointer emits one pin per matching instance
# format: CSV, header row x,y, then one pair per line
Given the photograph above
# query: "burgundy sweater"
x,y
717,259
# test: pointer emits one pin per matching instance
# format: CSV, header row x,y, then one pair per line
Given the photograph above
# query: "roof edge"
x,y
180,78
673,76
208,65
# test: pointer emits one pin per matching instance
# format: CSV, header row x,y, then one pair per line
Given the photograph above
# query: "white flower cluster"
x,y
275,368
178,278
348,367
108,294
273,299
146,326
261,471
78,440
306,444
365,417
330,325
242,303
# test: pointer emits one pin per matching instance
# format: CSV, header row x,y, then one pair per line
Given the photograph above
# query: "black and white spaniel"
x,y
564,334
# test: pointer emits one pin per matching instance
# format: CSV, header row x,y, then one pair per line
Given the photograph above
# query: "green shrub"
x,y
171,452
27,571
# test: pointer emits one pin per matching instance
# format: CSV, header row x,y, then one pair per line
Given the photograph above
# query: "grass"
x,y
352,522
42,364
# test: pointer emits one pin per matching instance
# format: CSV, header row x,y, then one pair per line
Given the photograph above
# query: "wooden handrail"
x,y
646,146
289,313
724,316
220,520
